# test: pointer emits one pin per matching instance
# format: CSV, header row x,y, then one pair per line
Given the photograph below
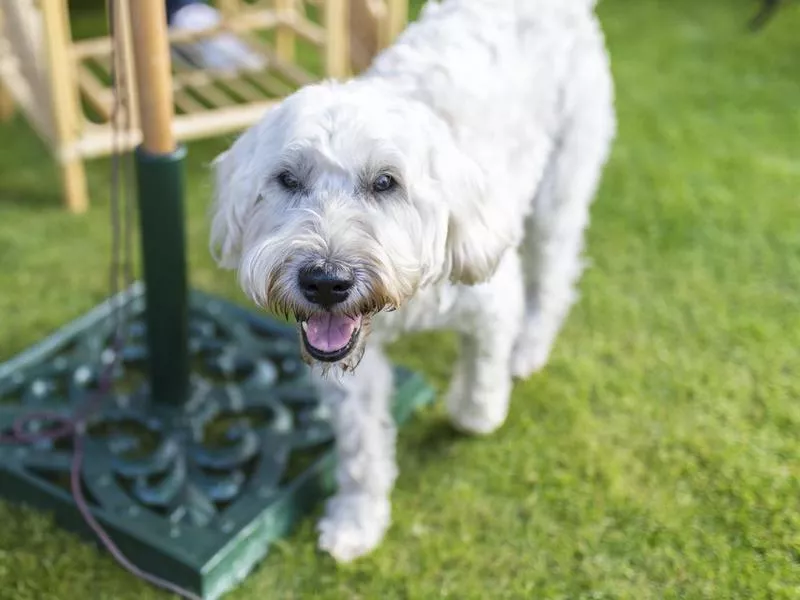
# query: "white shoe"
x,y
224,52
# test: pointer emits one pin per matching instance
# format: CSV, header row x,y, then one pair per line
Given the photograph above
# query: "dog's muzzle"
x,y
327,336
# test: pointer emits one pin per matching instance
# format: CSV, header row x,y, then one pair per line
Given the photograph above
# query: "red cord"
x,y
74,426
105,539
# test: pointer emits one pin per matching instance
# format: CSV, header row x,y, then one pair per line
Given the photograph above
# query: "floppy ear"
x,y
478,233
236,190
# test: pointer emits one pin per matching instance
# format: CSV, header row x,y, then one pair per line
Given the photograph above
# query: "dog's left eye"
x,y
383,183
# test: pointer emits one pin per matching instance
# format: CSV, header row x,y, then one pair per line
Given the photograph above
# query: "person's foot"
x,y
223,52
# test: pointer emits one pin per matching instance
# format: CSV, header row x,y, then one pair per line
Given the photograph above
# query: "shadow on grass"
x,y
29,199
28,174
436,439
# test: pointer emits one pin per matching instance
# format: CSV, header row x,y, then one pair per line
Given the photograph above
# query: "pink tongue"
x,y
329,333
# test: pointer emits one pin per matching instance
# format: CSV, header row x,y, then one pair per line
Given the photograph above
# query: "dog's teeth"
x,y
304,325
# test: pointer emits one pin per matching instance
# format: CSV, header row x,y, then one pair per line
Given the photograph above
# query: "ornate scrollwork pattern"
x,y
239,461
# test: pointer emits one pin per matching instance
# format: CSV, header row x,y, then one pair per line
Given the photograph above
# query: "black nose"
x,y
326,285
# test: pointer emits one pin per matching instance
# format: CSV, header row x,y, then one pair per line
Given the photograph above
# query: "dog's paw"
x,y
353,525
525,364
478,413
472,424
530,356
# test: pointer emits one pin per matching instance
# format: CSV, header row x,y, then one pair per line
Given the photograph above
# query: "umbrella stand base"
x,y
194,493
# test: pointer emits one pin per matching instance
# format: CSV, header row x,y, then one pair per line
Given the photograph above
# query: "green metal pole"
x,y
160,189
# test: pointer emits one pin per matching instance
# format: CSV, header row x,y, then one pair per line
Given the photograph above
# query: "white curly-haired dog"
x,y
447,186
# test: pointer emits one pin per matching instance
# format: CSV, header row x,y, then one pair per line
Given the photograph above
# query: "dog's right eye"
x,y
383,183
288,181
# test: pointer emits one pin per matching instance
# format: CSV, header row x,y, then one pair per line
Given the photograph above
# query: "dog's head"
x,y
343,202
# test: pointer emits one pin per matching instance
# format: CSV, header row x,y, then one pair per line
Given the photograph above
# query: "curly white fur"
x,y
495,118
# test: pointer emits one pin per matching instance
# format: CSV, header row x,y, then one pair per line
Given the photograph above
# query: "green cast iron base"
x,y
194,494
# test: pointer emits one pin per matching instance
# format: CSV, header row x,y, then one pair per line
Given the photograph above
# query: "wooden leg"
x,y
396,20
337,48
6,101
64,101
364,34
7,107
284,36
76,194
374,25
228,8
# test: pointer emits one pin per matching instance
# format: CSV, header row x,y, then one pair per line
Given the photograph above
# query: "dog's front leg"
x,y
480,389
358,515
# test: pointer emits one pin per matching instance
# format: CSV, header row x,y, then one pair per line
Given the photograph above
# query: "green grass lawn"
x,y
658,455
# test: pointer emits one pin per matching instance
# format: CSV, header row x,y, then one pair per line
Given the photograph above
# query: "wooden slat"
x,y
202,84
212,95
103,63
221,121
25,98
297,75
211,89
99,97
247,21
98,140
22,27
186,103
271,85
92,47
187,77
244,89
228,8
305,28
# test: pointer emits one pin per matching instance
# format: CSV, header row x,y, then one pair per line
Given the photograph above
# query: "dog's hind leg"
x,y
554,235
358,515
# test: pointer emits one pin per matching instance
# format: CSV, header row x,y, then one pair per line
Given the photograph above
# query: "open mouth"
x,y
328,337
